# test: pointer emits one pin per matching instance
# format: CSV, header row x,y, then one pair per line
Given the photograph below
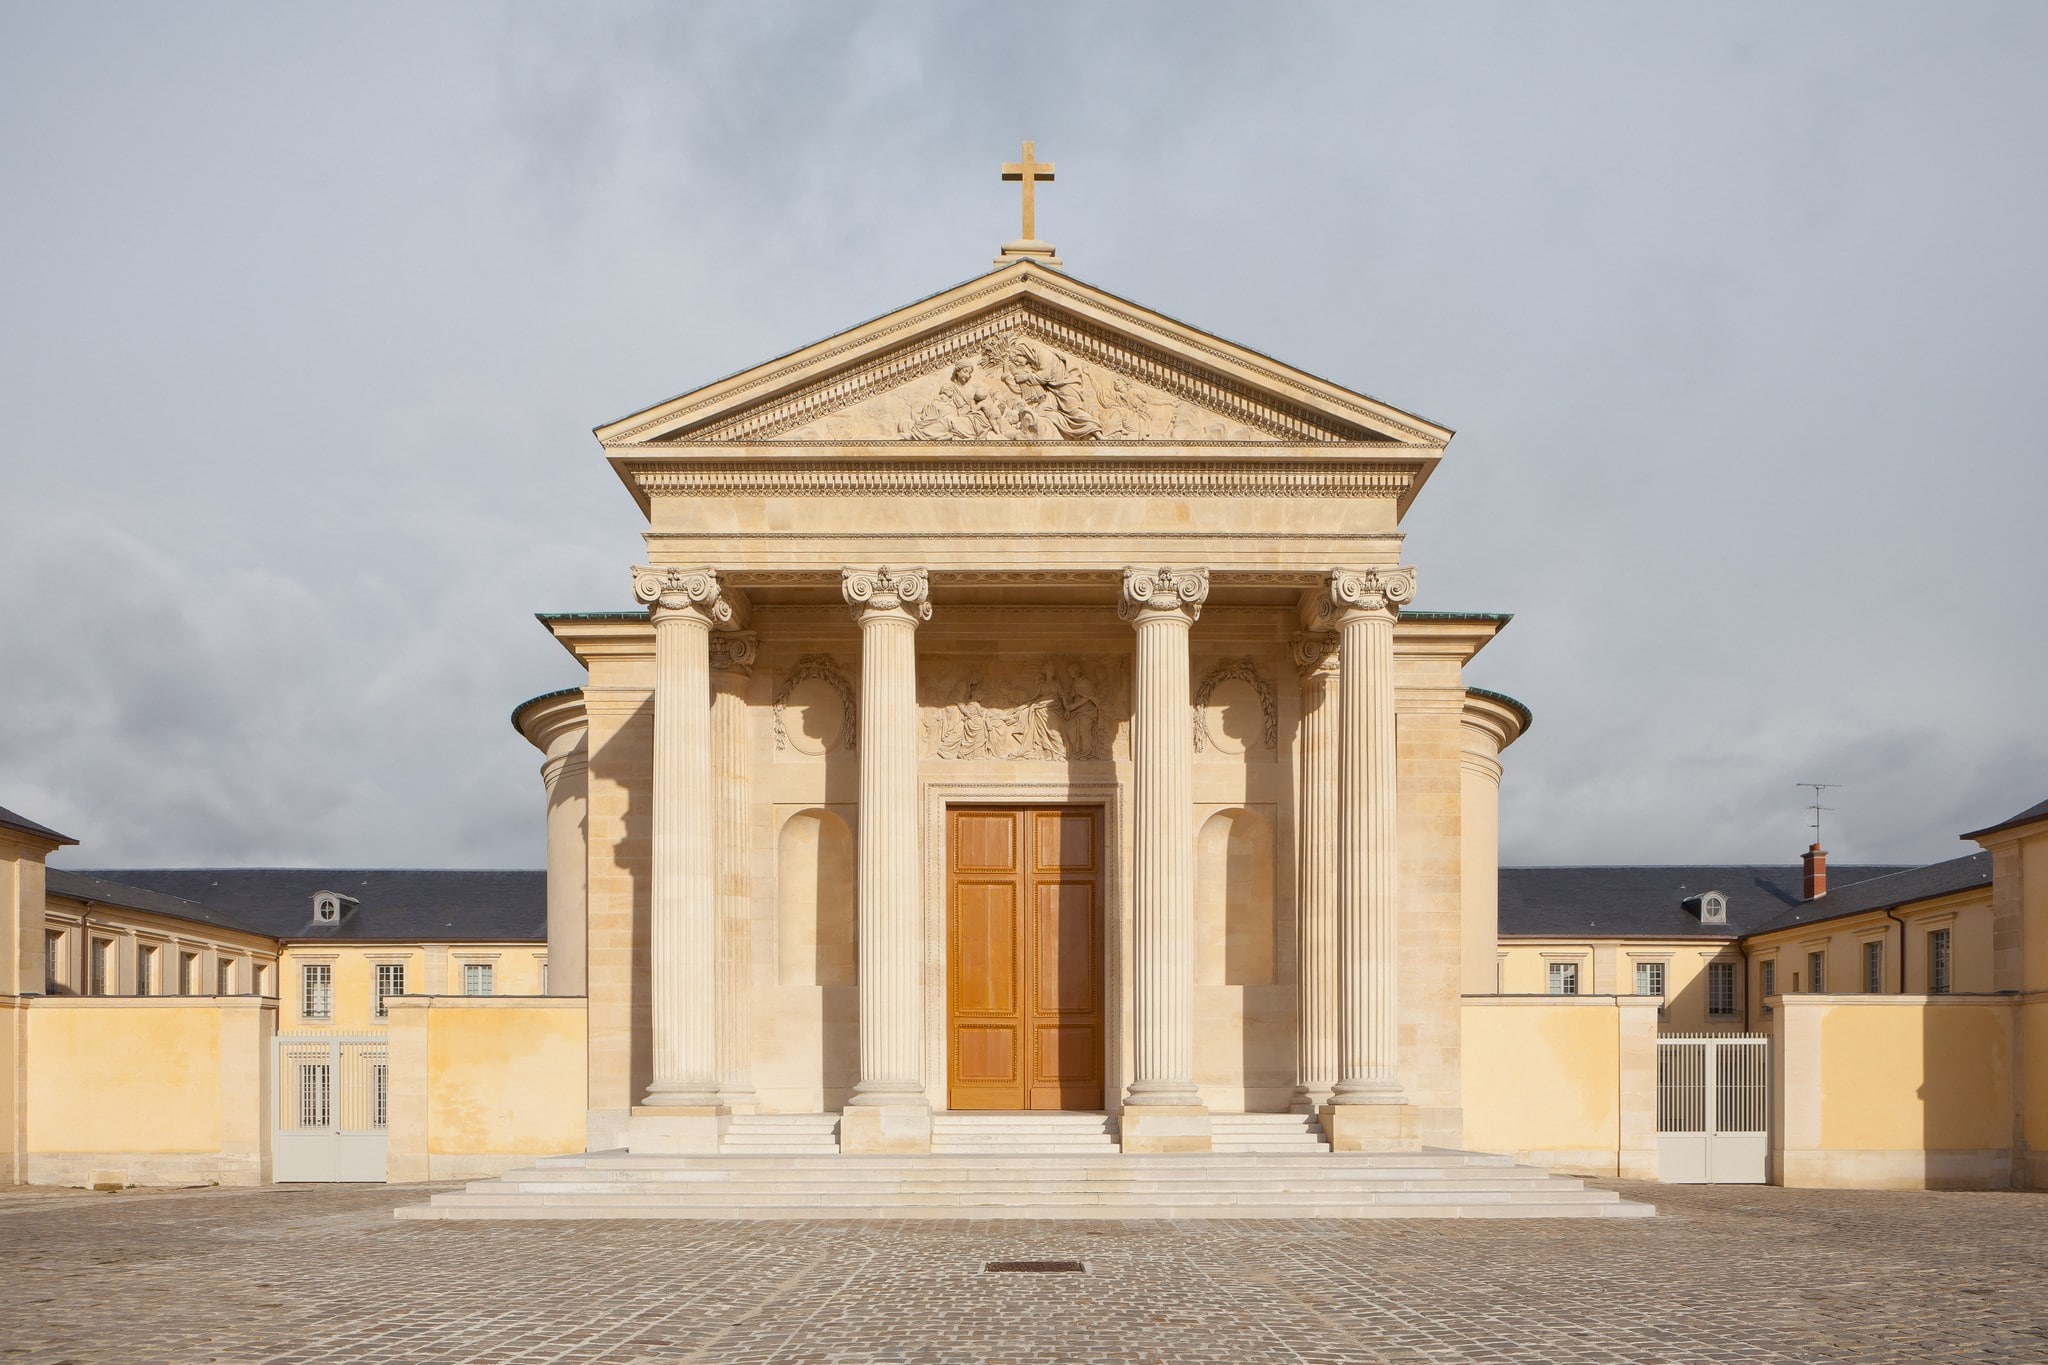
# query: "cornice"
x,y
1008,477
544,719
1497,715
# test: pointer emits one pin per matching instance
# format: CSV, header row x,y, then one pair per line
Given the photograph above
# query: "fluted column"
x,y
1365,603
732,664
1315,657
889,605
684,605
1162,605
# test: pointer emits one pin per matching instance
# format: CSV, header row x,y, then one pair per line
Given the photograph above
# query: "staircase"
x,y
1042,1134
995,1181
781,1135
1286,1133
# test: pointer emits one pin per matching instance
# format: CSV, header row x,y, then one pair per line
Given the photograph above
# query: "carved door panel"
x,y
1024,958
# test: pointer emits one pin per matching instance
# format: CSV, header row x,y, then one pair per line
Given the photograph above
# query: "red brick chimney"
x,y
1816,860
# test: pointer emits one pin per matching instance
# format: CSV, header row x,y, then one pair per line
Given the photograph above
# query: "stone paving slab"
x,y
311,1273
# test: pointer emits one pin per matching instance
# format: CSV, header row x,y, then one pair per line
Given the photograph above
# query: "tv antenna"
x,y
1817,788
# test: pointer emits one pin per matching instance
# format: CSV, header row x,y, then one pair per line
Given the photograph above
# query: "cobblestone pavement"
x,y
326,1274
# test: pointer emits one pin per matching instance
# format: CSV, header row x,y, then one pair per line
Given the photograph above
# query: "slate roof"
x,y
9,820
399,904
85,887
2025,817
1647,902
1885,893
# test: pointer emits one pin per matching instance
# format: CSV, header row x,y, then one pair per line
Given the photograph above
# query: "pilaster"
x,y
732,666
1316,659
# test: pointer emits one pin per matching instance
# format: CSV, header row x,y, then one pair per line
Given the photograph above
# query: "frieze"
x,y
990,478
1054,709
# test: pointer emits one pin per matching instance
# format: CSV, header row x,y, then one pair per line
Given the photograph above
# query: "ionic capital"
x,y
732,651
887,590
1315,654
1371,590
682,592
1163,590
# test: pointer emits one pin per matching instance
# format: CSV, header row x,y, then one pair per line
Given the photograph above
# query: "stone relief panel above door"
x,y
1049,708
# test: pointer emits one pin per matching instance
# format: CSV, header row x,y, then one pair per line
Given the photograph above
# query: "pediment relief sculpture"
x,y
1236,710
1024,375
1041,710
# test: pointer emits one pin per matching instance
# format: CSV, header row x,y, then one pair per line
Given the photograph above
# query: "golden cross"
x,y
1030,171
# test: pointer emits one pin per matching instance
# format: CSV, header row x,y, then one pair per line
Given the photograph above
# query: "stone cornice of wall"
x,y
550,717
577,1003
1950,1000
151,1002
1008,471
1574,940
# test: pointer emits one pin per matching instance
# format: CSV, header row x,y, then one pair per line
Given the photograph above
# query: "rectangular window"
x,y
1649,978
380,1095
316,1094
188,973
1564,978
476,978
102,966
1873,967
390,981
1767,982
53,960
262,978
1720,988
543,977
224,976
317,999
145,970
1817,973
1937,962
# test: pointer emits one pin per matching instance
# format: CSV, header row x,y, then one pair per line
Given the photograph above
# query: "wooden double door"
x,y
1024,1027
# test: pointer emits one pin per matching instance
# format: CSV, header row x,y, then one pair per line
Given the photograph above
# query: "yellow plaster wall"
x,y
1894,1092
1524,970
430,969
130,1091
1567,1082
481,1084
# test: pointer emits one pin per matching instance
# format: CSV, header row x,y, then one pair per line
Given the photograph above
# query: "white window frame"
x,y
146,973
224,976
322,997
1940,961
188,972
470,976
1561,974
1657,969
54,959
1718,974
378,993
1873,966
100,968
1817,971
1766,982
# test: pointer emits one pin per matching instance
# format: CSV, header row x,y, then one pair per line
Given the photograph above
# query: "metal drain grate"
x,y
1043,1267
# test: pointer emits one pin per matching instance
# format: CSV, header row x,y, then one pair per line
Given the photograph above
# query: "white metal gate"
x,y
333,1094
1713,1108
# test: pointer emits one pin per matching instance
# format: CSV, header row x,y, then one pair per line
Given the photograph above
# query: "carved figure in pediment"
x,y
1052,397
1056,713
964,409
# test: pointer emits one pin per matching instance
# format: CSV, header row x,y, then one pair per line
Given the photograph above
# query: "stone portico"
x,y
1023,547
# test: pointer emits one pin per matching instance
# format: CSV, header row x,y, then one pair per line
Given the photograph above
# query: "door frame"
x,y
1106,792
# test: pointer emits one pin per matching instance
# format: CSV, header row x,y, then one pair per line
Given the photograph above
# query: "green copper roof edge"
x,y
545,616
1528,716
535,701
1501,616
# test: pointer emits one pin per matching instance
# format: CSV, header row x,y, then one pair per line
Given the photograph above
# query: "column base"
x,y
739,1101
886,1129
675,1130
1165,1128
1372,1127
1309,1099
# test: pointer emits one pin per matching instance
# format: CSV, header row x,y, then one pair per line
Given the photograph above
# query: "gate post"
x,y
406,1158
1636,1102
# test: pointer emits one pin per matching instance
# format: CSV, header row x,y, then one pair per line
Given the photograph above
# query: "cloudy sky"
x,y
306,313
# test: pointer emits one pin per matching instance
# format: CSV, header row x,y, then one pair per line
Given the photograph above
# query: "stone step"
x,y
451,1207
1012,1191
1334,1163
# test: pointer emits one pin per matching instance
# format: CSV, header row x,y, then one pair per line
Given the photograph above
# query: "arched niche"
x,y
1234,900
814,900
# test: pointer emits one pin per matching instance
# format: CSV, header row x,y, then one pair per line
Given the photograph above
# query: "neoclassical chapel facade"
x,y
1026,714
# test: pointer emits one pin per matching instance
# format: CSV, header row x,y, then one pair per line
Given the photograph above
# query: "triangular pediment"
x,y
1022,355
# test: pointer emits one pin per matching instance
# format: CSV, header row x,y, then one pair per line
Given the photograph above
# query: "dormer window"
x,y
1710,906
330,906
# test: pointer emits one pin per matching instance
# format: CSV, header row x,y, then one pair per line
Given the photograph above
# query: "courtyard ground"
x,y
325,1273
